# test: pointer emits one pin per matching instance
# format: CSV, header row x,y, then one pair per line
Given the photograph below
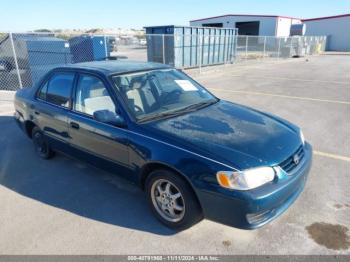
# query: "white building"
x,y
267,25
337,28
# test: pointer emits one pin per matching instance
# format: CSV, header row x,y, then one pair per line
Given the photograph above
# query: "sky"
x,y
23,15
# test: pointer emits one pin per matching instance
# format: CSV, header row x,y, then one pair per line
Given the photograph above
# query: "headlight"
x,y
302,137
245,180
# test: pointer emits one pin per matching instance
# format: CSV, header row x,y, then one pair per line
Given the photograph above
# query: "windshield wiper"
x,y
179,111
160,115
199,105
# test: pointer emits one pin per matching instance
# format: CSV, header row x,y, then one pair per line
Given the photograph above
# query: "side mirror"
x,y
109,117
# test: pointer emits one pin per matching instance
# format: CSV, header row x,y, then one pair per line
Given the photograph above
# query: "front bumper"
x,y
255,208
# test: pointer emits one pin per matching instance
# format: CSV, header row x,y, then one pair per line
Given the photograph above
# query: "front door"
x,y
104,143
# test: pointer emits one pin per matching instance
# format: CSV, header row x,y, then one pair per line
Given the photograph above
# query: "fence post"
x,y
163,45
106,51
279,47
224,49
291,47
246,47
16,62
235,47
264,55
200,53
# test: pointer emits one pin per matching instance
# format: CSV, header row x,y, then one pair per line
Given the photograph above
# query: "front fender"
x,y
197,169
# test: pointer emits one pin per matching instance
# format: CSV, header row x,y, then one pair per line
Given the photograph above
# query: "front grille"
x,y
289,164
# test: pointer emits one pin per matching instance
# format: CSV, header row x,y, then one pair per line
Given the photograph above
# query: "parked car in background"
x,y
143,42
196,156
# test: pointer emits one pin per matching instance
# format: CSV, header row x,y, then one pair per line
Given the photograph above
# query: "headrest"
x,y
137,82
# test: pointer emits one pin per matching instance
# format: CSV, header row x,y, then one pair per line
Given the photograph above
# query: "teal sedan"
x,y
194,155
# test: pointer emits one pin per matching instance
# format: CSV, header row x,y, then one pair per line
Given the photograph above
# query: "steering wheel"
x,y
174,93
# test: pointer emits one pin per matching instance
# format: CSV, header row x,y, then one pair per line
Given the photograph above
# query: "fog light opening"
x,y
257,218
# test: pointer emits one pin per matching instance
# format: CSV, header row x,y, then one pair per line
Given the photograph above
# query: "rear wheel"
x,y
172,200
42,147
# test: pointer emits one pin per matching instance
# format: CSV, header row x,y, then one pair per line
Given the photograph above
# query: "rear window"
x,y
58,89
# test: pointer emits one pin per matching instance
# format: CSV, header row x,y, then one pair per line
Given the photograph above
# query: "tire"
x,y
181,208
42,147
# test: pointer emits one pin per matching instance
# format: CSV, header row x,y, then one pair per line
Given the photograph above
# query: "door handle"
x,y
74,125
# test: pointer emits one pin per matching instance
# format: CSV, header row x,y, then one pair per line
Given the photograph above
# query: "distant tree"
x,y
42,31
140,36
94,31
2,36
63,36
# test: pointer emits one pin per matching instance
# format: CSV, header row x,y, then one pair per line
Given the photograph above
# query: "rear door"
x,y
53,102
100,141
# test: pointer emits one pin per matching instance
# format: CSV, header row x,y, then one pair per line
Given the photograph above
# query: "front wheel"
x,y
172,200
41,145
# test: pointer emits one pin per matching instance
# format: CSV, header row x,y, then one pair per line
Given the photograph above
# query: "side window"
x,y
91,95
42,92
59,89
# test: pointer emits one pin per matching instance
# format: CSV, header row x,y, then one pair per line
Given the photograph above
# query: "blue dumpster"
x,y
45,53
89,48
186,47
36,55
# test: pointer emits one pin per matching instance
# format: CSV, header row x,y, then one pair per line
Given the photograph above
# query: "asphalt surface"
x,y
64,206
132,52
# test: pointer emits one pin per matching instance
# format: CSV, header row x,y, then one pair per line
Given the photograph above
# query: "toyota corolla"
x,y
195,156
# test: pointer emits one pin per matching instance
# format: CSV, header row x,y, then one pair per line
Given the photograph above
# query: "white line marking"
x,y
297,79
283,96
236,68
338,157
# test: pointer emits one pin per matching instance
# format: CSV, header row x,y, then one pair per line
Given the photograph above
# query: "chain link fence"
x,y
25,58
191,51
257,47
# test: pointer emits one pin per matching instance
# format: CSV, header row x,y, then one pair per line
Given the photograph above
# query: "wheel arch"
x,y
29,125
148,168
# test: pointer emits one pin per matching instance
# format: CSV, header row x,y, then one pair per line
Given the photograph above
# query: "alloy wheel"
x,y
168,200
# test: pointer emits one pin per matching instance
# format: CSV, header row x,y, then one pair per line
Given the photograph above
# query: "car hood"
x,y
233,134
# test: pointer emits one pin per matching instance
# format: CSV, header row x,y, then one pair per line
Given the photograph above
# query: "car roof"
x,y
117,66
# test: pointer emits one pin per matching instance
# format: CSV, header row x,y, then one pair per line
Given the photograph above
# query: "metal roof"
x,y
119,66
326,17
304,20
274,16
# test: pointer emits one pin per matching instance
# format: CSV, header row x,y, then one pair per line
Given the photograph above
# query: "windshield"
x,y
161,93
